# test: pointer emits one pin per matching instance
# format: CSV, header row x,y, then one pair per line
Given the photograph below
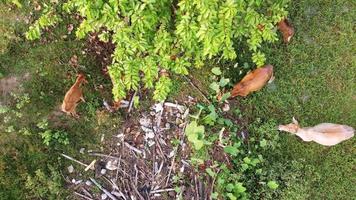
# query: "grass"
x,y
47,63
315,82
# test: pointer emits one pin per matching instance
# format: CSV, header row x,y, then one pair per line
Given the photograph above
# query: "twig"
x,y
159,147
72,159
132,101
162,190
90,166
133,148
83,196
117,170
199,90
175,154
212,184
221,137
119,194
136,174
107,106
86,192
103,189
159,119
174,105
136,191
103,155
196,186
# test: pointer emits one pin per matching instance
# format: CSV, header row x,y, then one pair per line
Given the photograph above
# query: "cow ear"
x,y
295,121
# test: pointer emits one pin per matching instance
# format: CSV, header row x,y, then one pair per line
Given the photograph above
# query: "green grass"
x,y
315,82
47,63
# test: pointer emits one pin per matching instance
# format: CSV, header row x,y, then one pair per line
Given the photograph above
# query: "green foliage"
x,y
14,2
250,175
47,19
272,184
51,137
162,88
44,185
153,35
217,85
195,134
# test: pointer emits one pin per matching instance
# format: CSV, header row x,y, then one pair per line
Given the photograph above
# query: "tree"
x,y
170,35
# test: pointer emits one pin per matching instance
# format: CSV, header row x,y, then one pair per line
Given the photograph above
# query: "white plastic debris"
x,y
112,165
146,122
82,150
103,171
171,154
88,183
226,107
104,196
150,143
158,107
70,169
150,135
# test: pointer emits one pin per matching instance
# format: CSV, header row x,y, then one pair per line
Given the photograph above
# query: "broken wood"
x,y
72,159
103,189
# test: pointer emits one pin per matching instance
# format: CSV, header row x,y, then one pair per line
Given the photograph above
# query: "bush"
x,y
155,36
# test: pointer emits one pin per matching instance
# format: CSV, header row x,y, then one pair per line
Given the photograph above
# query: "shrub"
x,y
151,36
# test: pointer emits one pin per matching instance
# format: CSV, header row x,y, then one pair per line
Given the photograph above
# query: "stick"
x,y
212,185
175,154
90,166
162,190
221,137
103,155
159,119
103,189
131,102
173,105
83,196
72,159
133,148
136,191
86,192
196,87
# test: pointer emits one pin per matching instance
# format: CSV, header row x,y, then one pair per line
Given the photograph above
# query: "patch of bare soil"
x,y
142,161
10,84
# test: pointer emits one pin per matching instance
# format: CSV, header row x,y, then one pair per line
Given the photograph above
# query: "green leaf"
x,y
272,184
225,96
214,86
210,172
231,196
230,187
216,71
198,144
244,167
214,195
263,143
247,160
239,188
231,150
195,134
223,82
